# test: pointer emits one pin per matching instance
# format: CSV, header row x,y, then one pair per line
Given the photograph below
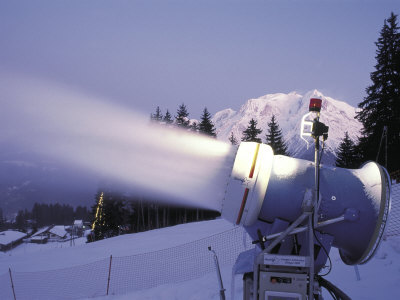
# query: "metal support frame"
x,y
277,239
304,228
288,231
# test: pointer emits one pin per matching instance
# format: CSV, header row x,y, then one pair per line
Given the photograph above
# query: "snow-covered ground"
x,y
36,257
6,237
380,278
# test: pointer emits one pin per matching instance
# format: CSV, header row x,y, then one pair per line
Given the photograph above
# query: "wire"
x,y
322,152
323,248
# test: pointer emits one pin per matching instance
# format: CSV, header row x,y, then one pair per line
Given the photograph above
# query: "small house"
x,y
10,239
41,236
57,233
78,228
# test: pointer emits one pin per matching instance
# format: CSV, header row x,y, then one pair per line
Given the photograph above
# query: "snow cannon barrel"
x,y
354,204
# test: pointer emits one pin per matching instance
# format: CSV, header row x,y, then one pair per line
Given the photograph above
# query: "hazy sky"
x,y
203,53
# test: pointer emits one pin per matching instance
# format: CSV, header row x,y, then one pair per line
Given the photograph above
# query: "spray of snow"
x,y
114,143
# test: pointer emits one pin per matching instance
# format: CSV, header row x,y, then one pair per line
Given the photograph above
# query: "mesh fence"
x,y
128,273
393,226
176,264
69,283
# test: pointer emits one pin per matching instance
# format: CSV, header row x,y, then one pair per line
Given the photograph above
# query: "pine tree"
x,y
1,219
168,118
275,139
232,139
157,117
98,217
20,220
347,154
194,127
250,134
108,215
181,118
381,106
206,126
114,215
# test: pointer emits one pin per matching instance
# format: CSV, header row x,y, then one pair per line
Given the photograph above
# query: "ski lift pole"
x,y
221,285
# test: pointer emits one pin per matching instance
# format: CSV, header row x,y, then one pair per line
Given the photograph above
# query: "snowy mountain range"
x,y
288,110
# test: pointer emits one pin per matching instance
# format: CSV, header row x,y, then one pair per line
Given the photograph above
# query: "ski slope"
x,y
380,278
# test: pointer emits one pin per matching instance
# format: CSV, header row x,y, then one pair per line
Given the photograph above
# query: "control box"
x,y
282,286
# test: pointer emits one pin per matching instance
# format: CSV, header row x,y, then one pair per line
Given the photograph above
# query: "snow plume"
x,y
114,143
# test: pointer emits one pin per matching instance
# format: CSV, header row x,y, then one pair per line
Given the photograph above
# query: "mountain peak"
x,y
288,110
314,94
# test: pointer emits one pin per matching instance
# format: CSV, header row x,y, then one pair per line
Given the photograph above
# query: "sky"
x,y
218,54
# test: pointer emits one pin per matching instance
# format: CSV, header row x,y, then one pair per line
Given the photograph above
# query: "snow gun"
x,y
296,210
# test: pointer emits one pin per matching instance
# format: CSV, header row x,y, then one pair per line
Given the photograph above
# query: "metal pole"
x,y
12,284
311,245
304,228
286,232
384,135
310,220
357,272
221,285
386,147
109,274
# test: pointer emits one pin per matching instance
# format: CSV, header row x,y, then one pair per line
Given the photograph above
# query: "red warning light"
x,y
315,104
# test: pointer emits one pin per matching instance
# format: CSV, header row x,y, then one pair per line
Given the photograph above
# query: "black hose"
x,y
332,289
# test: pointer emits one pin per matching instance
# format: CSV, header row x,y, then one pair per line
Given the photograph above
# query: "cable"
x,y
338,294
323,248
332,294
322,152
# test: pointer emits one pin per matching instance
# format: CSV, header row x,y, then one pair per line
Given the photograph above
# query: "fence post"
x,y
109,274
12,283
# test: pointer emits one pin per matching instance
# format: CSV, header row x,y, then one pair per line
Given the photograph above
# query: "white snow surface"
x,y
78,222
41,230
8,236
31,257
380,277
288,110
58,230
